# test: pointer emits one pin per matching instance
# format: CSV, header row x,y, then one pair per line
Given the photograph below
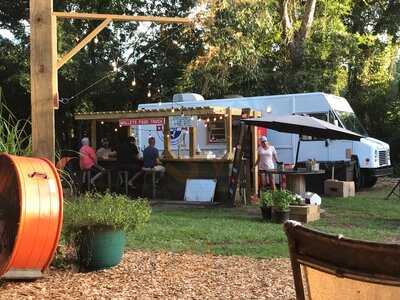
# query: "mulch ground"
x,y
151,275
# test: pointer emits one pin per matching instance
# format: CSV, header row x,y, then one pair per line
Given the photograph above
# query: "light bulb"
x,y
159,103
116,129
102,122
220,117
226,115
134,82
205,125
158,91
149,94
96,40
215,119
208,120
173,110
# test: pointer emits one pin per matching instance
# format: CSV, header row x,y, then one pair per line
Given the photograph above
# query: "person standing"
x,y
266,157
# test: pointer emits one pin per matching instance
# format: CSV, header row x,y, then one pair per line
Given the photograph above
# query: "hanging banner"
x,y
182,121
133,122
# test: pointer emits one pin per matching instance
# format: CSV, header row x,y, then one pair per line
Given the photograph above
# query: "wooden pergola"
x,y
166,114
45,63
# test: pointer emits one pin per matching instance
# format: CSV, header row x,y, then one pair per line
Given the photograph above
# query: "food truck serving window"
x,y
216,132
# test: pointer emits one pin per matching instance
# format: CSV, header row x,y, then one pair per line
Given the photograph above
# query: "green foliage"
x,y
96,211
281,199
266,198
14,134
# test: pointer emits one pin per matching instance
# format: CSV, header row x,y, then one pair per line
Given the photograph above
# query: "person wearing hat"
x,y
266,157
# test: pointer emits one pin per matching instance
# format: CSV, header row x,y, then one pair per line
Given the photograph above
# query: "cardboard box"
x,y
304,213
336,188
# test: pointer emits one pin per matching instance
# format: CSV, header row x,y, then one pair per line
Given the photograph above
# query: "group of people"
x,y
125,155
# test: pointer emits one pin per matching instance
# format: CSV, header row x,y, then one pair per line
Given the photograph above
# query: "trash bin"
x,y
30,215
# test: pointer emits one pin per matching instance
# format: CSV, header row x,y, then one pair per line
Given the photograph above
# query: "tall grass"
x,y
15,135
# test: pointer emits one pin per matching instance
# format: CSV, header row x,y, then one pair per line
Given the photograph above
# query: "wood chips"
x,y
152,275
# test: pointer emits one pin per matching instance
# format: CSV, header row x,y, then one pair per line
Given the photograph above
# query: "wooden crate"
x,y
304,213
336,188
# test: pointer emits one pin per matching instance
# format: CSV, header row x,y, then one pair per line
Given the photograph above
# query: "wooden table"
x,y
296,180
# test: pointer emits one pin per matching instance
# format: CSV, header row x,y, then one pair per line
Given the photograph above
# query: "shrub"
x,y
96,211
266,199
282,199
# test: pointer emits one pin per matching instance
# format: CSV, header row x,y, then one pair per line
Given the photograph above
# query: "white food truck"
x,y
371,156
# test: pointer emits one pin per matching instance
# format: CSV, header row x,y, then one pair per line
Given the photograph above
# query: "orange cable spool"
x,y
31,202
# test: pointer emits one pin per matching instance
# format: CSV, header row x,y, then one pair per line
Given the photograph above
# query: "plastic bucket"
x,y
31,215
101,249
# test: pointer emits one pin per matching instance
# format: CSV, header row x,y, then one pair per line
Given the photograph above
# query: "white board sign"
x,y
200,190
182,121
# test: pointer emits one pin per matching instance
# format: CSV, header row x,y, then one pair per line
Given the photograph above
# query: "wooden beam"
x,y
93,133
228,134
254,157
167,140
44,86
83,43
192,141
122,18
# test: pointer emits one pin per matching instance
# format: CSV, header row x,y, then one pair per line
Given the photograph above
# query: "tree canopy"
x,y
247,47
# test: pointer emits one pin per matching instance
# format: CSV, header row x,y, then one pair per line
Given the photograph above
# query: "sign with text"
x,y
182,121
133,122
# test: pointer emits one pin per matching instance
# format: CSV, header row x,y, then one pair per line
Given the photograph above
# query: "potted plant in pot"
x,y
96,225
280,205
266,205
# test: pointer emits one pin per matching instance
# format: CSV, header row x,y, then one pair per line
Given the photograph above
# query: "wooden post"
x,y
167,140
192,141
254,157
93,133
228,134
44,89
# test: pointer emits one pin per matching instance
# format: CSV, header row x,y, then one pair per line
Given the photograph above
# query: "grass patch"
x,y
224,231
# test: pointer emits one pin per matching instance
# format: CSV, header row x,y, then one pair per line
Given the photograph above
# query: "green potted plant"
x,y
266,205
280,205
96,225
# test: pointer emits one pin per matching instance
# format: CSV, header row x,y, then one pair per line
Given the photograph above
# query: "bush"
x,y
282,199
266,199
108,211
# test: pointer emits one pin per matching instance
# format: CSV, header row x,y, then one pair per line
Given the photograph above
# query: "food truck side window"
x,y
216,132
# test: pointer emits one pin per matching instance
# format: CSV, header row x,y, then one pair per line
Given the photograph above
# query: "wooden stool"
x,y
153,172
123,177
86,178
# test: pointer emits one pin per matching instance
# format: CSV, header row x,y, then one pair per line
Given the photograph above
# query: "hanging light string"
x,y
117,69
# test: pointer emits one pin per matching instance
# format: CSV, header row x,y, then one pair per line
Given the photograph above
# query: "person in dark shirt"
x,y
151,155
127,152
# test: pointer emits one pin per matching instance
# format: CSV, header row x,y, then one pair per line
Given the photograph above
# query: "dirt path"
x,y
149,275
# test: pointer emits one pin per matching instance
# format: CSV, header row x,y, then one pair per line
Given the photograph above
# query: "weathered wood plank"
x,y
83,43
122,18
44,85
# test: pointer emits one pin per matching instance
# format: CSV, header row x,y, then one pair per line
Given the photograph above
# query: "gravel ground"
x,y
151,275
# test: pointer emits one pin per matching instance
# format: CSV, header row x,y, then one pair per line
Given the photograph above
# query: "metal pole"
x,y
297,154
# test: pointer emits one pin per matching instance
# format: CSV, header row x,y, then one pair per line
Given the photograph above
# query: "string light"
x,y
226,115
220,117
215,119
208,120
149,94
102,122
159,103
205,125
133,81
96,40
116,129
173,110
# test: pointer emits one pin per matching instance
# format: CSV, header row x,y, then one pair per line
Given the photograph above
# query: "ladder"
x,y
236,177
